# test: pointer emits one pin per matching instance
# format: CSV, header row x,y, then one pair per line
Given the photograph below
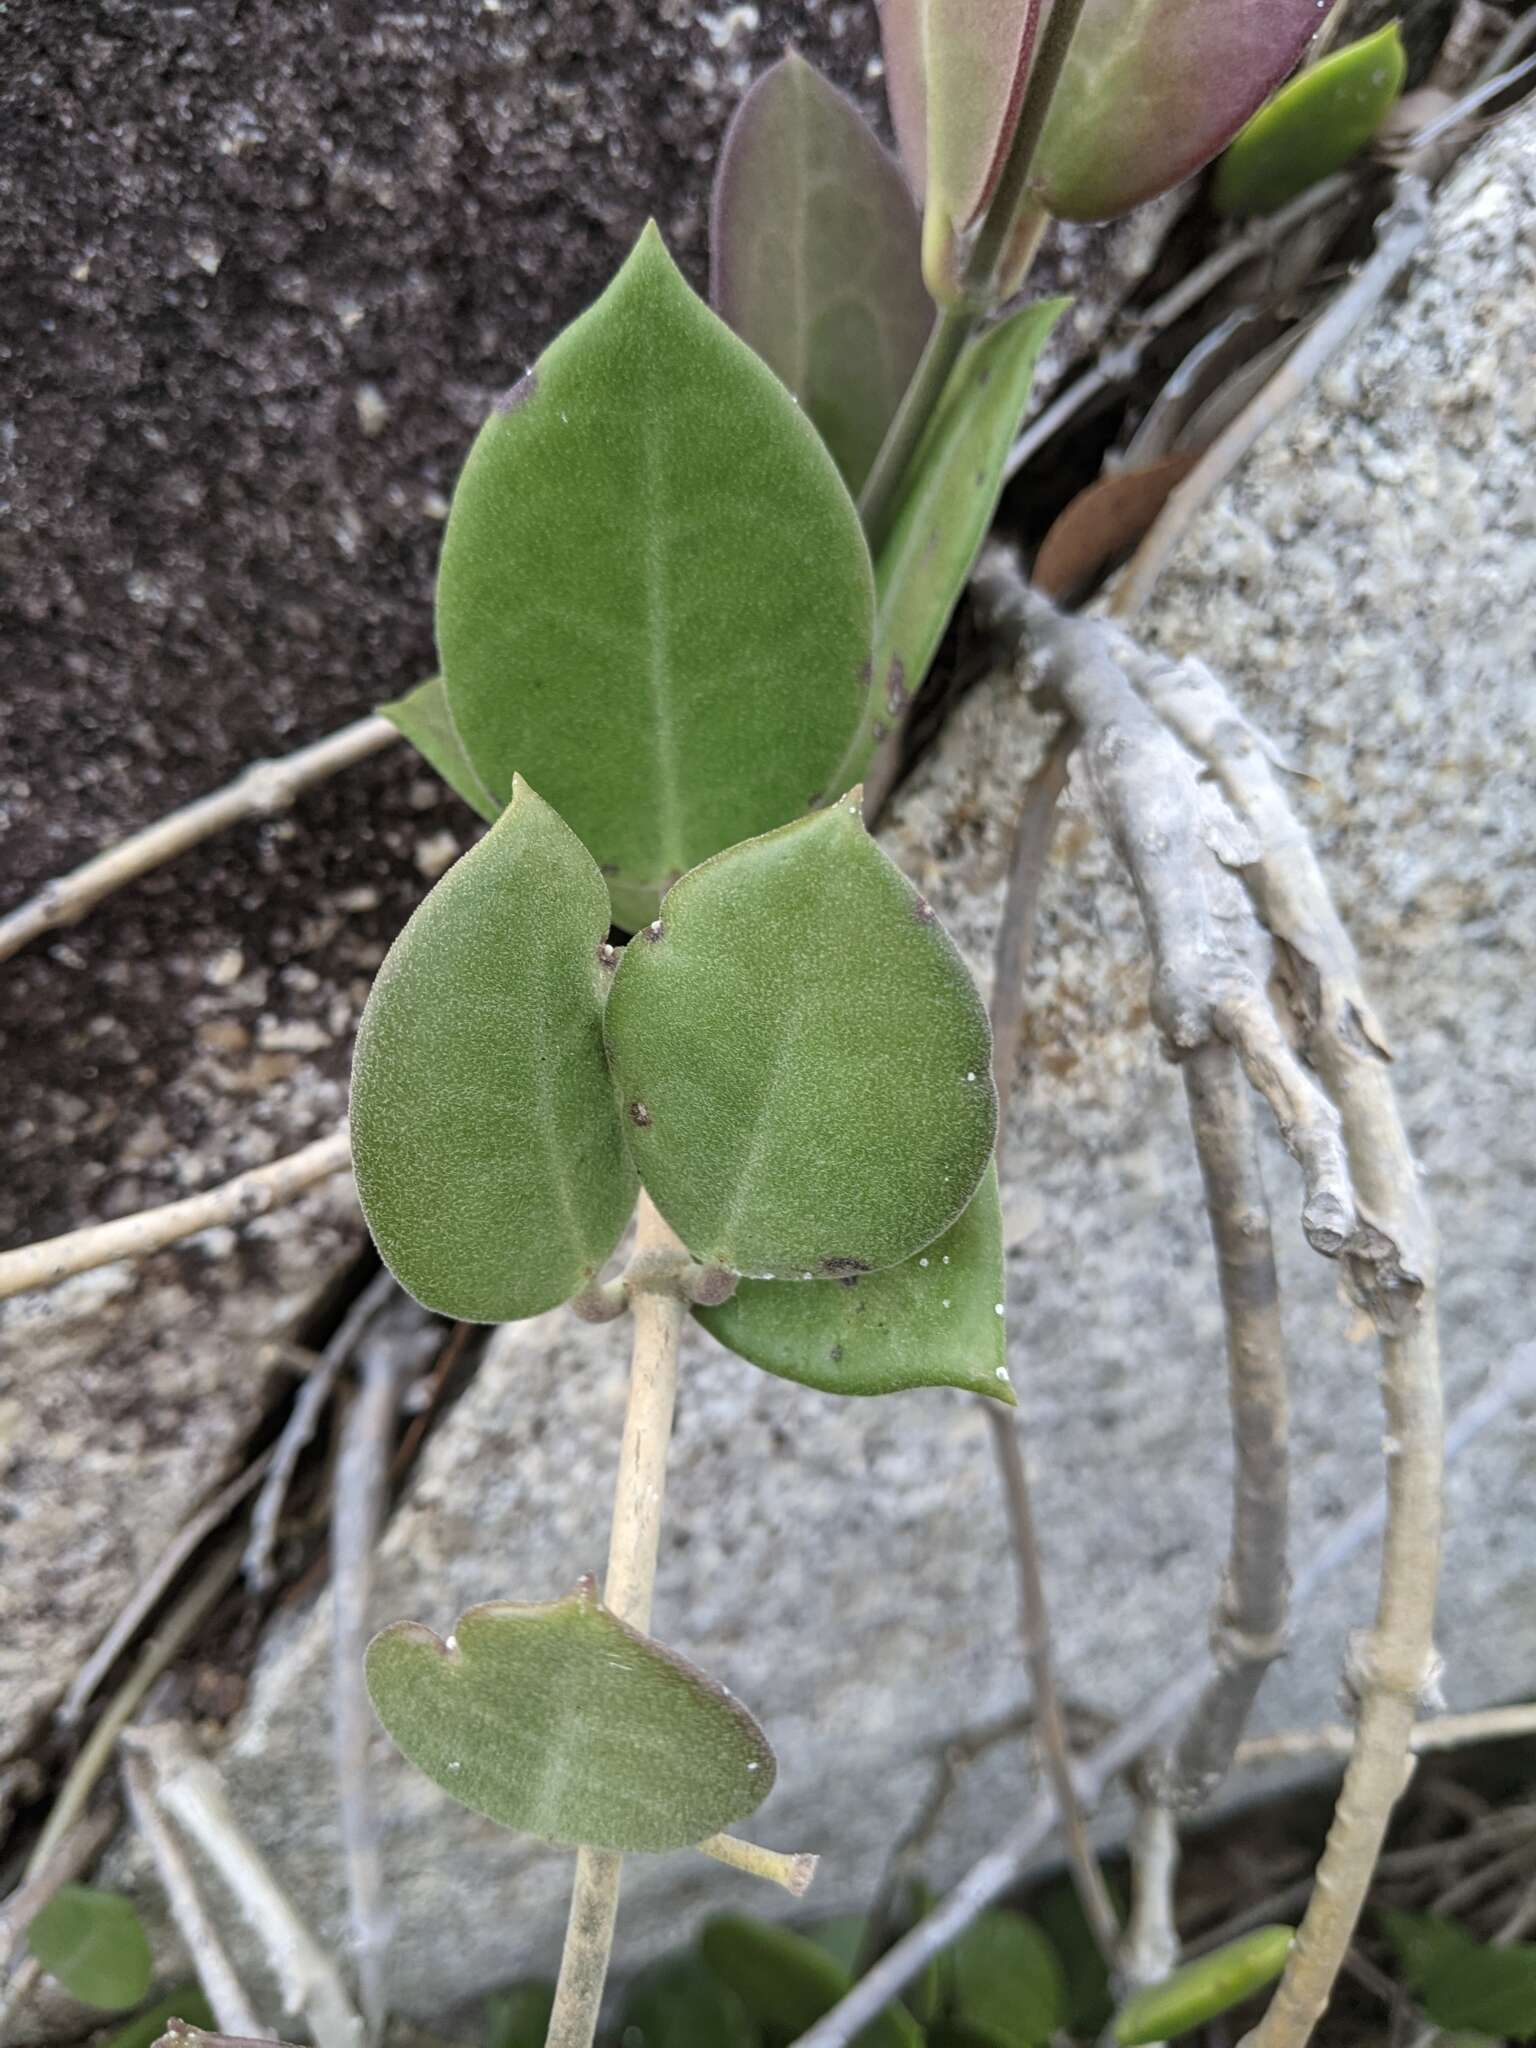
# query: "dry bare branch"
x,y
1446,1731
258,791
215,1972
248,1195
190,1790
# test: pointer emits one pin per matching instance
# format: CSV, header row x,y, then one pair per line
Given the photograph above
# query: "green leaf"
x,y
842,1938
1464,1983
815,260
485,1134
93,1944
802,1058
655,600
681,2003
1008,1987
1201,1990
787,1982
186,2002
930,1322
519,2016
1313,126
562,1721
1150,93
945,515
423,716
1087,2003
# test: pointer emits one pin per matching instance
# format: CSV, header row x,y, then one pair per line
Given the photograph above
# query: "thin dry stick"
x,y
78,1848
131,1237
303,1418
159,1651
1015,944
388,1355
1002,1867
1447,1731
258,791
182,1546
215,1972
632,1550
1400,230
190,1790
1391,1267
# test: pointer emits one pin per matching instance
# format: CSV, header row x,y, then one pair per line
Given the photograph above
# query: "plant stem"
x,y
627,1588
792,1873
881,498
1009,201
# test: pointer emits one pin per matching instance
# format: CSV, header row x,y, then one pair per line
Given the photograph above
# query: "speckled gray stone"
x,y
1368,585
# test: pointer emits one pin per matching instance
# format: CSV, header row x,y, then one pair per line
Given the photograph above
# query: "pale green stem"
x,y
881,499
632,1549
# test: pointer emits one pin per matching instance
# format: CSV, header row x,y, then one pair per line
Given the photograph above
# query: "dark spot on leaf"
x,y
640,1115
896,685
849,1280
984,379
836,1354
880,730
866,674
520,393
925,911
652,931
981,478
608,868
837,1269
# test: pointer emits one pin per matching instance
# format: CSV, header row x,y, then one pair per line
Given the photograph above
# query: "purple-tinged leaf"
x,y
1153,89
906,91
815,258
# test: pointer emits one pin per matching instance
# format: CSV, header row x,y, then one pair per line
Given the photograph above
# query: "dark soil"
x,y
266,264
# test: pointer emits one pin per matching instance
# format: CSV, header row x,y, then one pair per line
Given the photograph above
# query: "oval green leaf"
x,y
1007,1984
1202,1990
563,1722
485,1134
932,1321
654,599
945,515
1313,126
1150,93
802,1059
787,1982
423,716
815,258
679,2002
93,1944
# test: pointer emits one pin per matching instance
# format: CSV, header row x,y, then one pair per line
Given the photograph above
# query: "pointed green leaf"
x,y
1464,1983
1313,126
654,600
186,2002
802,1058
842,1938
92,1943
681,2003
944,518
562,1721
1153,89
814,258
1201,1990
786,1982
485,1134
519,2016
932,1321
1008,1987
423,716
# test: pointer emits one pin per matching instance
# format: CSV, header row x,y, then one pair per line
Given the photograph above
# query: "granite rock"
x,y
1367,583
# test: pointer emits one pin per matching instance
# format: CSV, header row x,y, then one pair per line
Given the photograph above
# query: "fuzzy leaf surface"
x,y
94,1945
561,1721
1007,1984
1313,126
932,1321
815,258
1153,89
1204,1989
485,1134
958,478
423,716
802,1058
654,600
786,1982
